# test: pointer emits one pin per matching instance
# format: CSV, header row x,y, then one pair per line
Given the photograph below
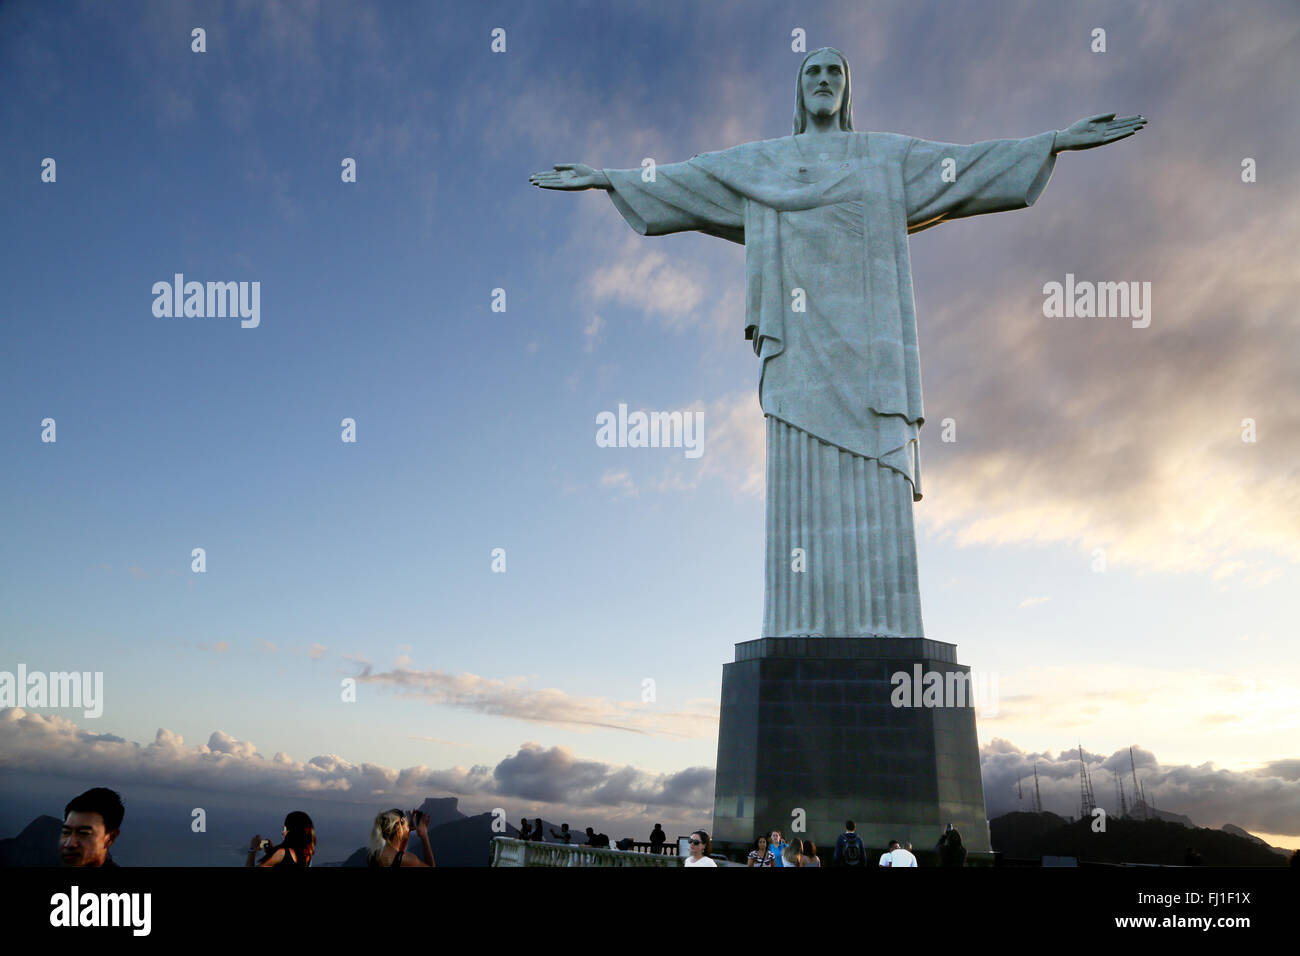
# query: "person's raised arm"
x,y
422,828
271,860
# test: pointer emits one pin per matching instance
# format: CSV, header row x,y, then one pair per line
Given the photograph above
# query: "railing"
x,y
668,849
507,851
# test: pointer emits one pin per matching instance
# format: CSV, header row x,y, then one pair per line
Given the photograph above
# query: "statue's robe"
x,y
840,379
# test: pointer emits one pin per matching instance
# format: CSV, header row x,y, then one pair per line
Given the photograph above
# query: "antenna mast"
x,y
1087,801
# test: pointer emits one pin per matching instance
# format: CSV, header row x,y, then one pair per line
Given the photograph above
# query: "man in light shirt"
x,y
700,847
886,858
901,857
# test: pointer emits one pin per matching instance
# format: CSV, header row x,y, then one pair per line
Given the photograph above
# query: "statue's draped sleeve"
x,y
680,197
943,181
845,368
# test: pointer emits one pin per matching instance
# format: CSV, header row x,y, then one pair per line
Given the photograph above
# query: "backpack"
x,y
852,850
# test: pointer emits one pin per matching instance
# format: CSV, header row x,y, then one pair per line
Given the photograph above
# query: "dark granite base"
x,y
808,723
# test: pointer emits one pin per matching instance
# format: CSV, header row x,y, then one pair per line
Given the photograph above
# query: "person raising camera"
x,y
296,849
389,835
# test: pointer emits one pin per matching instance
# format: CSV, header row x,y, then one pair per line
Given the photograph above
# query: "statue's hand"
x,y
1098,131
570,176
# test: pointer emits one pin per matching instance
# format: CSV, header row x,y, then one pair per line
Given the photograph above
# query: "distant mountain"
x,y
1170,817
441,810
1030,836
37,845
1246,835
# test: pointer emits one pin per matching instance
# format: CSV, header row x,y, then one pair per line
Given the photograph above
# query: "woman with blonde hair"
x,y
389,835
793,853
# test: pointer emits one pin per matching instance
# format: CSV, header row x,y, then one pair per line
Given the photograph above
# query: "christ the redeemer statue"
x,y
824,216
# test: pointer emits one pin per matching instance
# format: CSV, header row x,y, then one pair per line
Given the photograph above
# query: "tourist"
x,y
951,852
700,846
900,856
761,855
91,822
777,846
525,829
849,850
564,836
296,849
886,858
389,835
792,853
658,838
538,835
810,857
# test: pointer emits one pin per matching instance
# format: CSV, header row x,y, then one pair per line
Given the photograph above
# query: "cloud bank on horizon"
x,y
554,782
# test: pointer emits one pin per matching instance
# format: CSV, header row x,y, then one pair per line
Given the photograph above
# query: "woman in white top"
x,y
700,847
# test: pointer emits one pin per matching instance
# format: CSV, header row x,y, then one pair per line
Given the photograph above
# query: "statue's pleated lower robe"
x,y
830,312
841,550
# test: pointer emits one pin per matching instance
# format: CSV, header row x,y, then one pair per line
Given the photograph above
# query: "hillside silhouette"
x,y
1031,836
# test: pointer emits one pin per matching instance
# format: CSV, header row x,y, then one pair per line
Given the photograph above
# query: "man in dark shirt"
x,y
849,850
91,823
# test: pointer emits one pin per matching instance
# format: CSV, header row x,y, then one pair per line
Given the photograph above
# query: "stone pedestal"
x,y
808,723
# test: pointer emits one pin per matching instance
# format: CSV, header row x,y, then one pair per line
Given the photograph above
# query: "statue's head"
x,y
822,88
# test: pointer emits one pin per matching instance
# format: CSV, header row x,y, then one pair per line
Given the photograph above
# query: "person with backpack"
x,y
849,850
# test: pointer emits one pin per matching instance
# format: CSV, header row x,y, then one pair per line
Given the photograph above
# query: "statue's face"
x,y
823,84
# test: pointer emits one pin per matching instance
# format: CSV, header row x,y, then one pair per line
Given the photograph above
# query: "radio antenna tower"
x,y
1141,810
1087,801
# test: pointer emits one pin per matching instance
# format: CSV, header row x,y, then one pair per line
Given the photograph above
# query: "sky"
x,y
1099,536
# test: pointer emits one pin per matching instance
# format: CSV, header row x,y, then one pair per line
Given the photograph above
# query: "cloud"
x,y
591,332
316,651
1033,602
1092,433
619,480
645,278
1108,698
733,453
54,745
548,706
1265,800
555,775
